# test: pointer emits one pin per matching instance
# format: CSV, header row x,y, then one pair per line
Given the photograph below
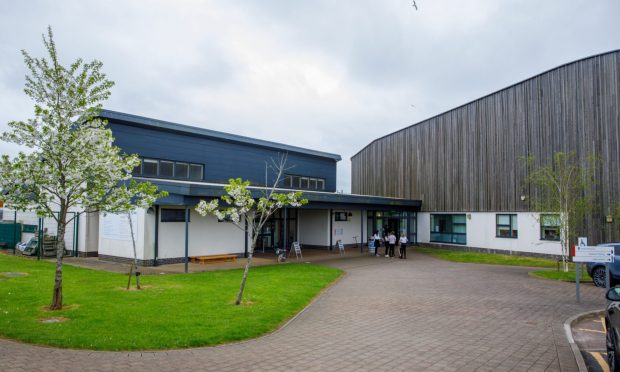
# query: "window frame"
x,y
512,219
150,161
543,227
202,172
454,236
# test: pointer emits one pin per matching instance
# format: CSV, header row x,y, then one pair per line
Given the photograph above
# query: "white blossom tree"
x,y
72,163
243,210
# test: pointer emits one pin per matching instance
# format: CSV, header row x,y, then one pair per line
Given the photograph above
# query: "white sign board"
x,y
593,254
116,226
582,242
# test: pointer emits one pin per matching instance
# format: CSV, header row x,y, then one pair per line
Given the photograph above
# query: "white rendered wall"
x,y
122,247
346,230
314,227
481,233
207,237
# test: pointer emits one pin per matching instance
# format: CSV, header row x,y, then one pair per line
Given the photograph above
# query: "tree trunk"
x,y
245,272
135,255
60,252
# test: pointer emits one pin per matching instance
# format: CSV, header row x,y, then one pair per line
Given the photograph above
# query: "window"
x,y
288,181
340,216
195,171
550,227
312,184
166,168
173,215
137,170
449,228
181,170
506,226
150,167
302,182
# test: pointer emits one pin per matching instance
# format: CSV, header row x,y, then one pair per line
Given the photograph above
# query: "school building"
x,y
192,163
467,164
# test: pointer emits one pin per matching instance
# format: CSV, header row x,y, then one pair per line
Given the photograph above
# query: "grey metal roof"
x,y
186,129
189,193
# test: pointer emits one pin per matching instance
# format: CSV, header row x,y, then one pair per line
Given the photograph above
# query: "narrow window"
x,y
137,170
312,184
320,184
149,167
288,181
304,183
165,168
181,170
195,172
550,227
506,226
296,181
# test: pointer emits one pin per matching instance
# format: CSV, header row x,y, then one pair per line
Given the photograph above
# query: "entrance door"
x,y
394,225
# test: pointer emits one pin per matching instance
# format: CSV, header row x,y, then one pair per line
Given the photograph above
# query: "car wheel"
x,y
611,350
598,276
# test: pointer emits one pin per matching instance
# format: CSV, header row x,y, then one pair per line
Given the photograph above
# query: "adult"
x,y
403,246
392,243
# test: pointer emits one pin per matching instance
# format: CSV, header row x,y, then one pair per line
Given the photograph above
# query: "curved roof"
x,y
487,95
195,131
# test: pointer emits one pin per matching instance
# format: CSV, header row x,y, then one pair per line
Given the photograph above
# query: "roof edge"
x,y
188,129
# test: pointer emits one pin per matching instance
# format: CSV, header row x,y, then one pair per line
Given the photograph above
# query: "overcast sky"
x,y
327,75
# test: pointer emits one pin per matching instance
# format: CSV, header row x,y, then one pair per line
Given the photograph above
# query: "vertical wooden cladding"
x,y
468,159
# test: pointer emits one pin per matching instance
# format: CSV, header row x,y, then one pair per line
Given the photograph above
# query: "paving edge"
x,y
581,364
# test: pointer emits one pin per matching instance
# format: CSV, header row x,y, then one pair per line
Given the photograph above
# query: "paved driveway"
x,y
386,314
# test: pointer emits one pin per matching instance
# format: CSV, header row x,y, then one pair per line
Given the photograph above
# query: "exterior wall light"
x,y
609,218
523,197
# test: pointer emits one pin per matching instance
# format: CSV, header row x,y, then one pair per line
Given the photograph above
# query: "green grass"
x,y
172,311
560,275
504,259
488,258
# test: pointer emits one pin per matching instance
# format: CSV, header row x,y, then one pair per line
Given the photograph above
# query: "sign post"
x,y
585,253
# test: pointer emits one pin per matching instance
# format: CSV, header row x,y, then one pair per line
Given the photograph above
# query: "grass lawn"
x,y
561,275
505,259
172,311
488,258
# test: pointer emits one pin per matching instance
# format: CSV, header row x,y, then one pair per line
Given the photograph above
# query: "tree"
x,y
244,211
73,163
564,187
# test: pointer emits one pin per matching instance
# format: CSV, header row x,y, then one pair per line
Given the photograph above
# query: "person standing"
x,y
377,240
392,243
403,246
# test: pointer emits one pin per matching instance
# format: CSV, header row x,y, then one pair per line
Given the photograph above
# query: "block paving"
x,y
386,314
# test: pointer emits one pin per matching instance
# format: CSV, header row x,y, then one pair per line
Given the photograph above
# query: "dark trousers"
x,y
391,250
403,251
387,248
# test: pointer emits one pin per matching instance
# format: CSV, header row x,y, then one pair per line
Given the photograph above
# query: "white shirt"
x,y
403,240
392,239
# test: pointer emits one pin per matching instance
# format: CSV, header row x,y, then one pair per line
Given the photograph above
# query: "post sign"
x,y
593,254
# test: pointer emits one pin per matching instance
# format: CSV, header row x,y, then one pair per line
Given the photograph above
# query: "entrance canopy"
x,y
189,193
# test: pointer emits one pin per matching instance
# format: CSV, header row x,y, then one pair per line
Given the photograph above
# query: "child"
x,y
403,246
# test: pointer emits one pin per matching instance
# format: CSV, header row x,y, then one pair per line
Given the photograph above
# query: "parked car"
x,y
597,269
612,325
